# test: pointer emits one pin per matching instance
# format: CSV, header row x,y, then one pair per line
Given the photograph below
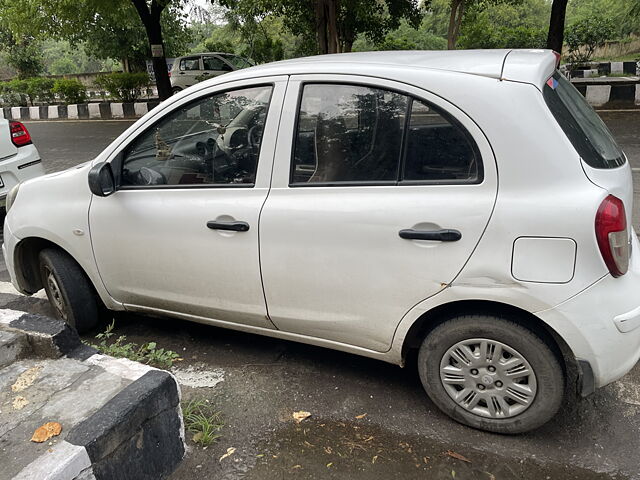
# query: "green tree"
x,y
109,27
584,36
334,24
457,11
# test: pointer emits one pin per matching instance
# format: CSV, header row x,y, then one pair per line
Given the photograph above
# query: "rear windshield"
x,y
587,132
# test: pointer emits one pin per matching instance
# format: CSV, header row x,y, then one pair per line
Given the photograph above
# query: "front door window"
x,y
212,141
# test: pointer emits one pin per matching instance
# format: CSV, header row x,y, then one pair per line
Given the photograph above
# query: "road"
x,y
369,419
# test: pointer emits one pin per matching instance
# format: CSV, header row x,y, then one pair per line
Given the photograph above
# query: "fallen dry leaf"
x,y
329,464
230,452
300,416
197,437
20,402
373,460
46,431
457,456
26,379
360,417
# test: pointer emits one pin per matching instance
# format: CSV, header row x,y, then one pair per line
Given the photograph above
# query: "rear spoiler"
x,y
530,66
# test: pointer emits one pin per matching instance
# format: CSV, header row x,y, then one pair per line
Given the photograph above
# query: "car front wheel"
x,y
68,290
491,373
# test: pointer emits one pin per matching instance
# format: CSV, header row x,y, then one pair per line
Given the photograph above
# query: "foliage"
x,y
126,87
334,25
202,421
584,36
70,90
484,29
146,353
625,14
405,37
39,88
13,93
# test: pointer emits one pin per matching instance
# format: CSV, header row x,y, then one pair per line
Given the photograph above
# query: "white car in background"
x,y
466,205
191,69
19,158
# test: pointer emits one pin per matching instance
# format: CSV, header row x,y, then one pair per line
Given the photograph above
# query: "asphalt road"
x,y
369,419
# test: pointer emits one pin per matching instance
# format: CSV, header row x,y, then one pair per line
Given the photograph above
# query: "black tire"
x,y
68,289
175,90
549,375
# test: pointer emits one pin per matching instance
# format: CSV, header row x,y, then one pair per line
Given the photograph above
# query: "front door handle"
x,y
444,235
229,226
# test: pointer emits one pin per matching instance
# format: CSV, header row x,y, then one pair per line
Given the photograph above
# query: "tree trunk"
x,y
556,25
455,20
327,26
333,42
321,27
151,22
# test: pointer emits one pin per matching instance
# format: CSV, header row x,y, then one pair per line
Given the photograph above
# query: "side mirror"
x,y
101,180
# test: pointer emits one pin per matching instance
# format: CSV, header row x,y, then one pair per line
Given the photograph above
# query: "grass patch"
x,y
147,353
202,421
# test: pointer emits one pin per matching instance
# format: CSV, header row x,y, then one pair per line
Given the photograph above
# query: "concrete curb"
x,y
606,68
137,434
82,111
603,94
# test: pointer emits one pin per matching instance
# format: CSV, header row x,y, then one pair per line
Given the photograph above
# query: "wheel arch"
x,y
435,316
27,264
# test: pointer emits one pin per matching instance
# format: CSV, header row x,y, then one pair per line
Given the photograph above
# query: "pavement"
x,y
108,418
368,419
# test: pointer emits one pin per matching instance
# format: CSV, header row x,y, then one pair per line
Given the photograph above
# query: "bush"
x,y
14,93
583,37
39,88
70,90
126,87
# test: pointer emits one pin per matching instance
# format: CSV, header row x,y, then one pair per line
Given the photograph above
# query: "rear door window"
x,y
359,135
581,124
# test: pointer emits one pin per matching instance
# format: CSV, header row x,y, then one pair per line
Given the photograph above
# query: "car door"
x,y
189,69
213,66
380,193
180,234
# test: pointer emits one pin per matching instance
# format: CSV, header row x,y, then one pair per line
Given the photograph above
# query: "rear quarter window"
x,y
581,124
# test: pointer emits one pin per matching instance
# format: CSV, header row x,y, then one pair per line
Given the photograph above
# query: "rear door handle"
x,y
445,235
229,226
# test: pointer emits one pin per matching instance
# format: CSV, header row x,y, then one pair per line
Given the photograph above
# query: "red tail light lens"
x,y
19,134
613,236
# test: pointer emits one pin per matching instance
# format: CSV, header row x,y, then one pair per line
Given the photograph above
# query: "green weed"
x,y
202,421
148,353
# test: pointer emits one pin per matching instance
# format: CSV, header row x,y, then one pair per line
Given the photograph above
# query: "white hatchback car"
x,y
469,205
19,158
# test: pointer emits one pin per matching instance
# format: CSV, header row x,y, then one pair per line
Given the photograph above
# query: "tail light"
x,y
19,134
558,57
169,73
613,236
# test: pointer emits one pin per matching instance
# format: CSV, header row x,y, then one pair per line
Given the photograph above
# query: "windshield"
x,y
585,129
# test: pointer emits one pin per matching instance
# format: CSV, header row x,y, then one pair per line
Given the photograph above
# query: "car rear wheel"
x,y
68,289
492,374
175,90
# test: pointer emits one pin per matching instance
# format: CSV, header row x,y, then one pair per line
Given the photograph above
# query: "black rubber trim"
x,y
586,380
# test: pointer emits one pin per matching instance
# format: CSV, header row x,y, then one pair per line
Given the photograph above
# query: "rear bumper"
x,y
601,325
24,165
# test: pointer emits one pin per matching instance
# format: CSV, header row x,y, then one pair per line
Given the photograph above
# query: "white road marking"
x,y
7,287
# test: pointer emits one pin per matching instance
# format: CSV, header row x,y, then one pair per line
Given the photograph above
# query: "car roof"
x,y
528,66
